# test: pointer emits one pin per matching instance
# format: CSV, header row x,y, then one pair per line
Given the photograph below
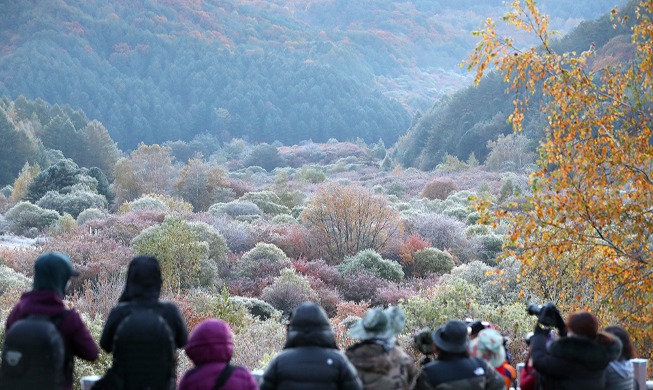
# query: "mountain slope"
x,y
265,70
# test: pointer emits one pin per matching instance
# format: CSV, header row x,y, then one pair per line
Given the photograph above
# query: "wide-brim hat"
x,y
379,324
451,337
489,347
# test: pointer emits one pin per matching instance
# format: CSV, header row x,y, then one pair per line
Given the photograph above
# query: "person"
x,y
527,374
142,332
489,346
578,360
380,362
619,374
52,273
310,359
210,347
454,368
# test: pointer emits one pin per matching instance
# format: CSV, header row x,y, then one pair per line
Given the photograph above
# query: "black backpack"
x,y
34,354
144,349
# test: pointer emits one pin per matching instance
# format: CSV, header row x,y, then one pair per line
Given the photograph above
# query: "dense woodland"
x,y
264,71
259,150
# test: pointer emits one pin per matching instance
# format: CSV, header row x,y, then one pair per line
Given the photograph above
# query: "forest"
x,y
263,71
523,187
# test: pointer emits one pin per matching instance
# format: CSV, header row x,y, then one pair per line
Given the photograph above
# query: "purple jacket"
x,y
73,330
210,346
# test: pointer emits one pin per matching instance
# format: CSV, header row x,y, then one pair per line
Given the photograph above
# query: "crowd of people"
x,y
143,335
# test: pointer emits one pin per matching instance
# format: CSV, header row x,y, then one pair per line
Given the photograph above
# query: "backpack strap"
x,y
224,376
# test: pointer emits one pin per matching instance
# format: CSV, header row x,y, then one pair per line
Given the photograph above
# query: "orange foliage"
x,y
585,237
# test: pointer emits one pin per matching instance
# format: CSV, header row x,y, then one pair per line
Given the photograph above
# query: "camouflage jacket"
x,y
382,369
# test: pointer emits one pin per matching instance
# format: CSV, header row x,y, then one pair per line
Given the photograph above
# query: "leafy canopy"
x,y
589,215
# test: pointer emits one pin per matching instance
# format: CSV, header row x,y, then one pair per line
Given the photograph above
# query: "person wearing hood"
x,y
310,359
52,272
619,374
210,347
141,293
381,364
577,361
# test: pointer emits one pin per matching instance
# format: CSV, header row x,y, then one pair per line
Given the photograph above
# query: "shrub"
x,y
392,294
236,208
217,244
91,214
491,246
237,234
319,269
262,260
282,219
432,260
311,174
10,280
439,189
288,291
152,202
360,286
370,261
256,343
178,248
72,203
65,224
256,307
267,201
444,233
27,218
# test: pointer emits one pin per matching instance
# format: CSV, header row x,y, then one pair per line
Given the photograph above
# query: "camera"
x,y
424,341
546,314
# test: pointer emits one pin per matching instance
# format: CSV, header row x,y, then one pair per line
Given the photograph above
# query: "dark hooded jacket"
x,y
142,290
310,359
575,363
210,347
51,274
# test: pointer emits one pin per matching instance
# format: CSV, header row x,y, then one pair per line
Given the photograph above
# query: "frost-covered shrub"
x,y
262,260
477,230
311,174
392,294
444,233
491,246
236,208
238,234
65,224
432,261
372,262
255,307
288,291
157,202
4,225
439,188
217,244
267,201
497,285
361,286
91,214
319,269
12,280
6,191
282,219
72,203
458,212
29,219
144,203
256,343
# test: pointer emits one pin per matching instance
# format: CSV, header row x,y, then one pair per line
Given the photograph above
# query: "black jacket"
x,y
573,362
142,288
310,359
459,373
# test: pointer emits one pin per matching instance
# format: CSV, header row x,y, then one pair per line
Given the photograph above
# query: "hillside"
x,y
464,122
153,71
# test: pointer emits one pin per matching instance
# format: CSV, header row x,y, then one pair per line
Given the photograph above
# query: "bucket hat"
x,y
451,337
489,347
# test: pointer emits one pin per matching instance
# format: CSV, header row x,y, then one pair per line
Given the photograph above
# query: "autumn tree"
x,y
202,184
346,219
147,170
589,217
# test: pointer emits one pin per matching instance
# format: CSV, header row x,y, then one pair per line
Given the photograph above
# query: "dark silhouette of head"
x,y
583,324
627,348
